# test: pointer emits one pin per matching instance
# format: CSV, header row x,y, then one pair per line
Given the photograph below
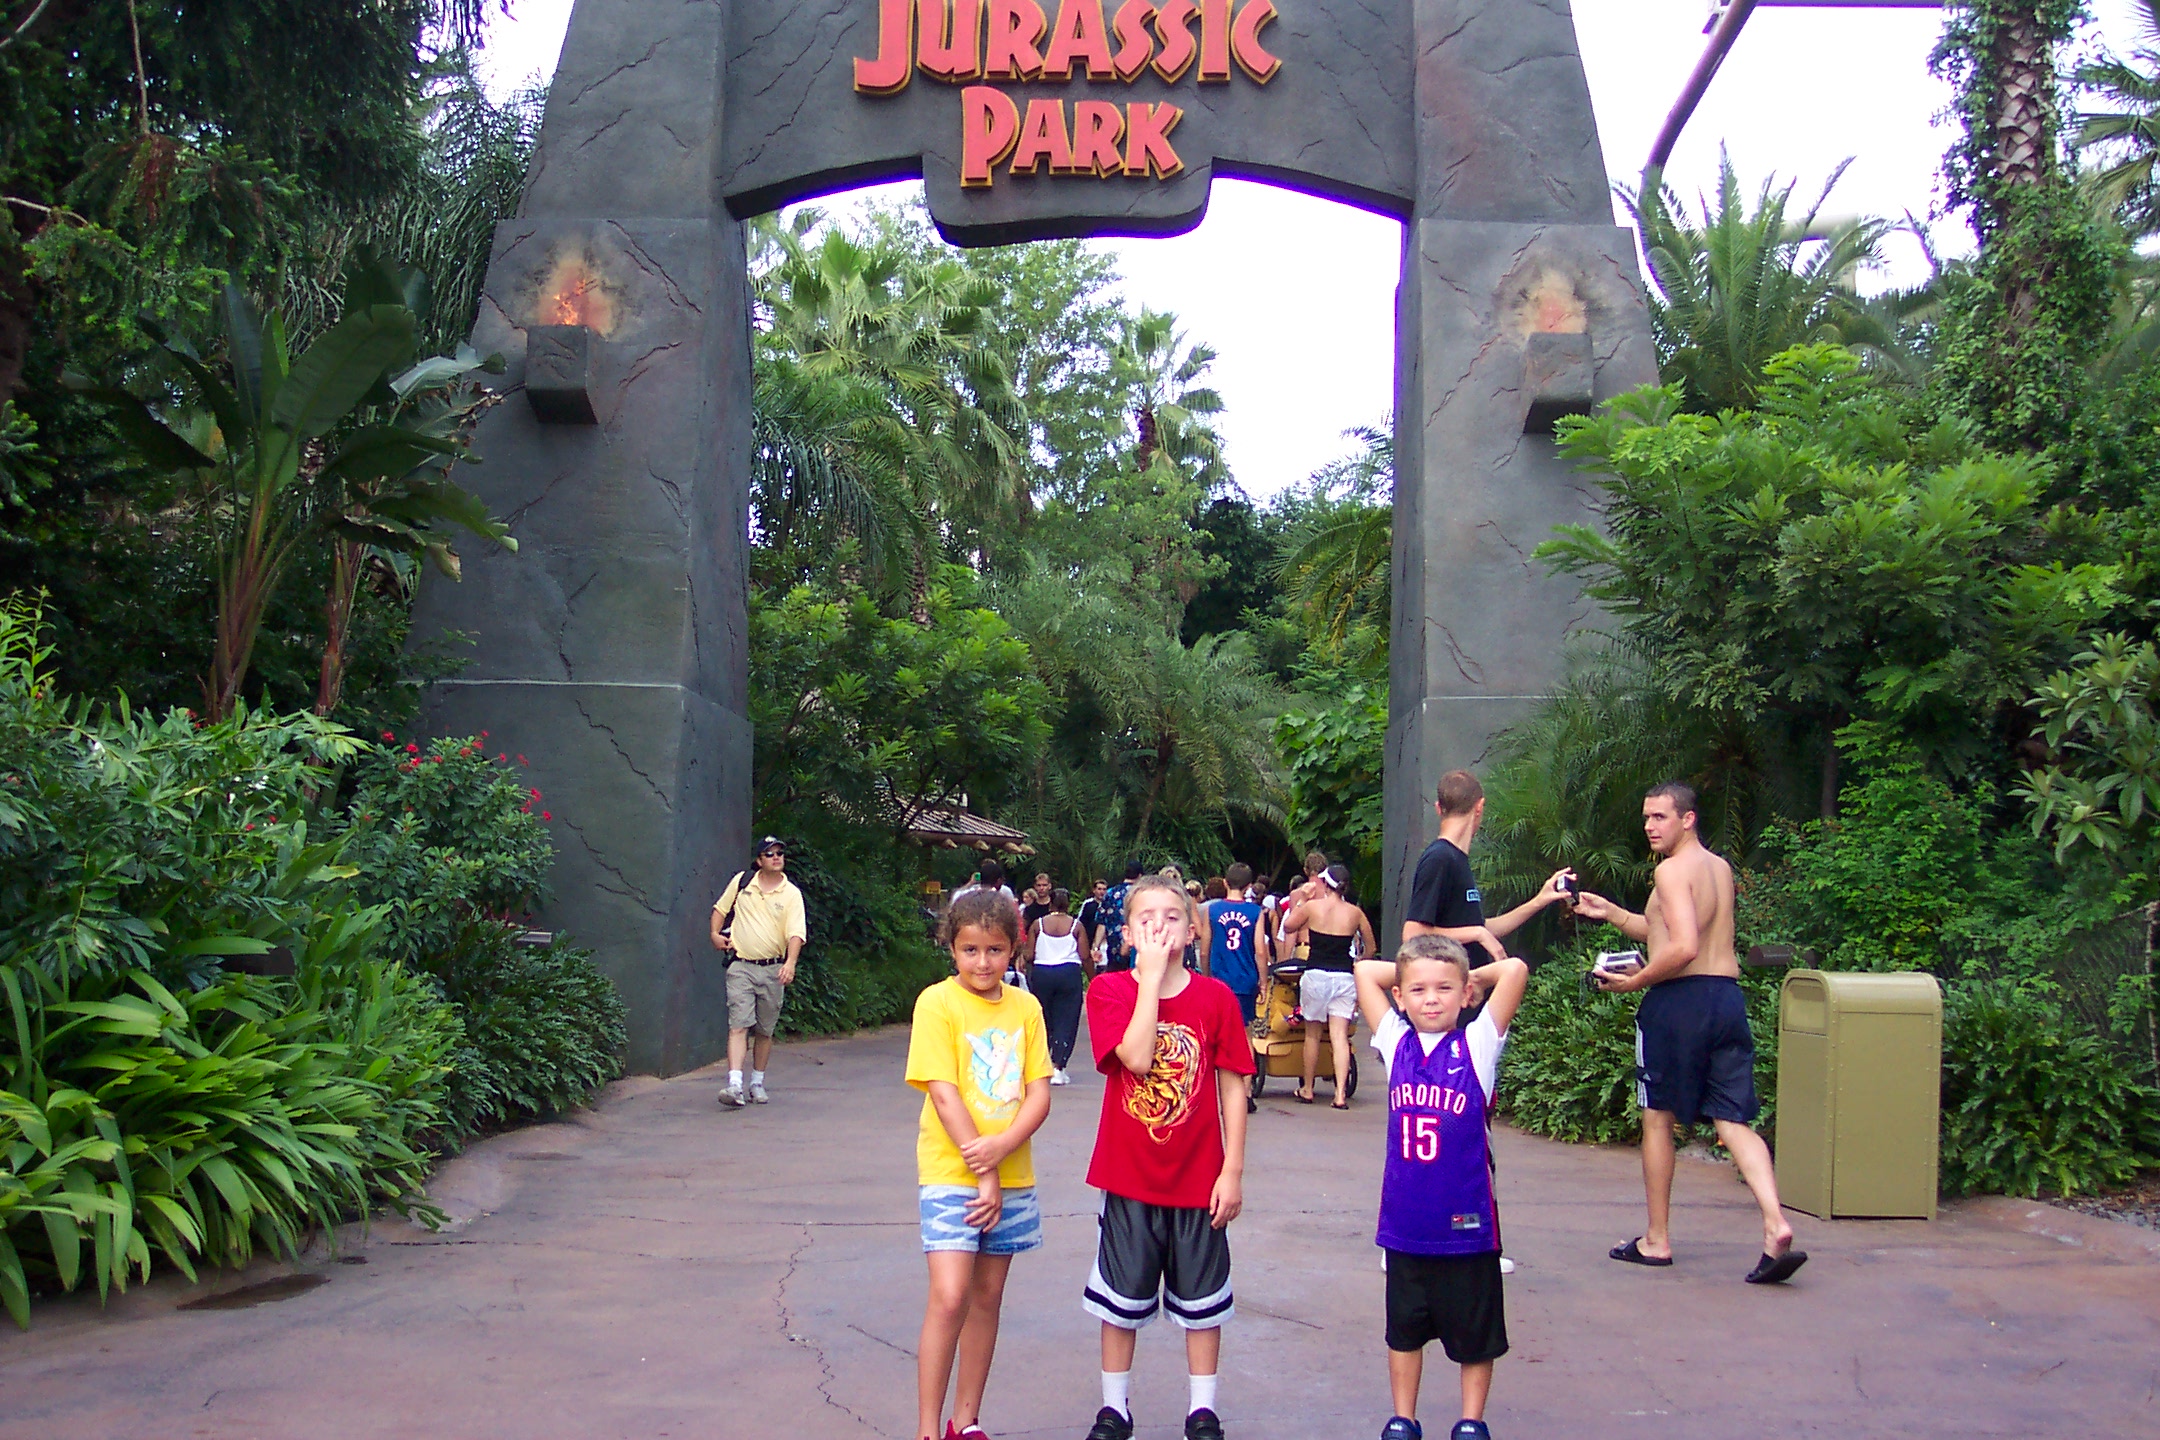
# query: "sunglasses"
x,y
775,850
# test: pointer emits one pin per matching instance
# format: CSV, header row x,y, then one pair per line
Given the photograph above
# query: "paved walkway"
x,y
658,1267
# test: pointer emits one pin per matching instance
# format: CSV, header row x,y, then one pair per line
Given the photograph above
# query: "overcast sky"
x,y
1803,90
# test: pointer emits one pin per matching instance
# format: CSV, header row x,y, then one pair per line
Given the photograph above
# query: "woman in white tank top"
x,y
1057,975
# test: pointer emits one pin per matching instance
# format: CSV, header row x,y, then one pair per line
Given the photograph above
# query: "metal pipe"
x,y
1727,31
1721,42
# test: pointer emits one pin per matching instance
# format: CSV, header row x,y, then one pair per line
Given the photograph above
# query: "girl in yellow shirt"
x,y
980,1054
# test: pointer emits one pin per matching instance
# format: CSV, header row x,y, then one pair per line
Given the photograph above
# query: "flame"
x,y
576,296
1549,305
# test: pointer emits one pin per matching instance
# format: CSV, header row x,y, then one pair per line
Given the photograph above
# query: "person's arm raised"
x,y
1373,979
1136,1047
1549,894
1596,907
1502,983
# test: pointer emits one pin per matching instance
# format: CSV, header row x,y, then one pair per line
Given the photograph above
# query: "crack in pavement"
x,y
787,1330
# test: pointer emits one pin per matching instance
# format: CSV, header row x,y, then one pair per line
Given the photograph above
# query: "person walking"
x,y
1090,918
1058,974
1330,927
1035,903
1117,954
1232,947
760,919
1695,1053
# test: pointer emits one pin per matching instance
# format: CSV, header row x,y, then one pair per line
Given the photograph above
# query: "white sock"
x,y
757,1077
1203,1392
734,1079
1117,1391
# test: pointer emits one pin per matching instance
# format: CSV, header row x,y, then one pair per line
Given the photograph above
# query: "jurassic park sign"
x,y
981,46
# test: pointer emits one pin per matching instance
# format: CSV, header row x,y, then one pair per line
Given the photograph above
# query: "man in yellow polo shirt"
x,y
762,922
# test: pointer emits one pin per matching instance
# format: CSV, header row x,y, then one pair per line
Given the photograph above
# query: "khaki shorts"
x,y
754,993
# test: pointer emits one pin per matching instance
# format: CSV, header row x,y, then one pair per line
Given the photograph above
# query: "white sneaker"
x,y
732,1096
1059,1077
1507,1266
757,1092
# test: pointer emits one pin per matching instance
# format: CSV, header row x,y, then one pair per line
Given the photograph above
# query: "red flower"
x,y
388,736
412,749
523,761
545,815
502,759
483,734
536,793
249,826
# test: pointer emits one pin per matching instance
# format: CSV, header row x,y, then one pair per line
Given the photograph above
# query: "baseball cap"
x,y
771,842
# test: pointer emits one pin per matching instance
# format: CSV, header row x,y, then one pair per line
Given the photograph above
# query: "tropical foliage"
x,y
238,1011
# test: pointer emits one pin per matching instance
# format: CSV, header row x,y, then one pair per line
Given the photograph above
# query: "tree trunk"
x,y
2021,120
346,558
1827,798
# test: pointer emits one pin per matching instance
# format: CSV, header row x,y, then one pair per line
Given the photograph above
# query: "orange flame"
x,y
579,297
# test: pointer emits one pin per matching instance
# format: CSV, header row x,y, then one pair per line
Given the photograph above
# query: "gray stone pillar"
x,y
611,648
1519,299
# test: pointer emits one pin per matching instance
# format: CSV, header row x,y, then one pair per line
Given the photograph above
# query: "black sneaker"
x,y
1402,1429
1109,1425
1470,1430
1203,1425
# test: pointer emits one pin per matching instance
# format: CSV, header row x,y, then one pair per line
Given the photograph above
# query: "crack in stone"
x,y
642,258
546,490
630,891
1464,665
609,730
583,91
620,116
1494,526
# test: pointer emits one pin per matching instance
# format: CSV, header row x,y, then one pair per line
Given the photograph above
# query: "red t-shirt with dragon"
x,y
1160,1139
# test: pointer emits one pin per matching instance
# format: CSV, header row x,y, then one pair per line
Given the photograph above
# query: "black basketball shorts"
x,y
1158,1257
1454,1299
1694,1053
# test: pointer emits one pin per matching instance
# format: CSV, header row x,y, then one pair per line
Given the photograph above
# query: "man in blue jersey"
x,y
1232,945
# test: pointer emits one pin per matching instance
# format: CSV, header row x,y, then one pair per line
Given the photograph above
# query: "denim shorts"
x,y
945,1226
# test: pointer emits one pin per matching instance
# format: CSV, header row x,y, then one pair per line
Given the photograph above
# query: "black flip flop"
x,y
1631,1253
1338,1105
1302,1098
1776,1269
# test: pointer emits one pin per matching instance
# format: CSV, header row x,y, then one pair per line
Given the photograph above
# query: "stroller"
x,y
1278,1036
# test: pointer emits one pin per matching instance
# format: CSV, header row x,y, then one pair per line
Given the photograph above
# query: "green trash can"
x,y
1859,1093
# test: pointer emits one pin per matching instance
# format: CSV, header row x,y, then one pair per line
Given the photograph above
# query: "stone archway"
x,y
612,646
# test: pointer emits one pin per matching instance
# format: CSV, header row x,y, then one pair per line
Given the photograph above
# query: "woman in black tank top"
x,y
1328,952
1327,996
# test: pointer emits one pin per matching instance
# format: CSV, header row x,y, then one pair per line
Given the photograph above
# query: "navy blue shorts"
x,y
1694,1053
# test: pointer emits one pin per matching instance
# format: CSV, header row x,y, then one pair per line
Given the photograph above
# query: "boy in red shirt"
x,y
1169,1154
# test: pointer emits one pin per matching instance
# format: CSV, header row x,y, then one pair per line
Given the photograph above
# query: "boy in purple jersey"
x,y
1439,1220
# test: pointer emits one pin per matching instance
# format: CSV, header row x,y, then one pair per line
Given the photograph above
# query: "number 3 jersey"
x,y
1436,1195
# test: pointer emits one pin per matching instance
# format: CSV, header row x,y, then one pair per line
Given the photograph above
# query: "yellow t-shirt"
x,y
764,920
991,1050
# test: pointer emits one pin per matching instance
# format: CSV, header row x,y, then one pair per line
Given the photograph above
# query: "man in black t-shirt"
x,y
1444,898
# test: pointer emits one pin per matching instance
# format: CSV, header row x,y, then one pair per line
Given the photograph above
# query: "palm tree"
x,y
1173,412
1736,289
914,331
1336,562
2125,131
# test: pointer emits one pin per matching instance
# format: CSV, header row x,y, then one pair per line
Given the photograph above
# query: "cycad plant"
x,y
1741,285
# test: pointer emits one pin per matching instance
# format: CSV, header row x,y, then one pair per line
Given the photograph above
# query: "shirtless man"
x,y
1694,1053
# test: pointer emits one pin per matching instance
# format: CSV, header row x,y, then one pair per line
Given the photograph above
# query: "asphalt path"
x,y
657,1266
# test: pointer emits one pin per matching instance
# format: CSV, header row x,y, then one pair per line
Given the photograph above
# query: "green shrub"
x,y
199,1124
543,1027
2033,1102
866,958
1569,1071
453,841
